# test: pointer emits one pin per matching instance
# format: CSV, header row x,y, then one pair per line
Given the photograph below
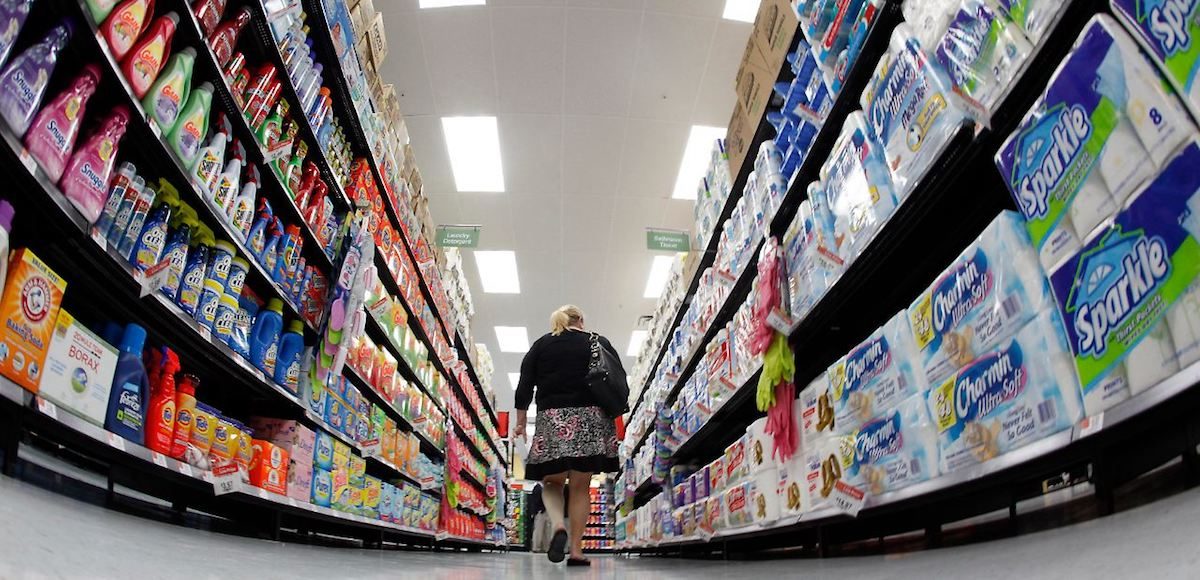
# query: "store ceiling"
x,y
594,101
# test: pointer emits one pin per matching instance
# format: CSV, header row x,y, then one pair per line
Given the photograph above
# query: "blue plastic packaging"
x,y
177,253
287,365
127,400
219,263
264,336
148,249
210,299
192,283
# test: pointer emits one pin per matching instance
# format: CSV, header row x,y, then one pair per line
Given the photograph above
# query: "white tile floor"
x,y
46,535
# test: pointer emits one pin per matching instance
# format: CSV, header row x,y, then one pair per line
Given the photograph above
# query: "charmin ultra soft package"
x,y
1105,124
1129,296
875,375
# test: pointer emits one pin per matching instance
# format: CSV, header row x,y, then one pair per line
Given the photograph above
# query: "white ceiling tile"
x,y
531,147
586,223
458,46
670,65
707,8
405,65
601,49
609,4
540,226
680,215
717,97
591,154
651,157
493,212
529,59
634,215
442,205
525,2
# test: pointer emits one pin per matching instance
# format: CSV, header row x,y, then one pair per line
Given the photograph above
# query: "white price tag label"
x,y
262,493
1091,425
225,478
27,160
154,277
47,408
99,238
780,321
116,441
185,469
441,536
848,498
154,129
280,151
372,448
158,458
291,502
205,333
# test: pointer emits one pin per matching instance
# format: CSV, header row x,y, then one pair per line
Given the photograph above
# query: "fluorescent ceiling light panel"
x,y
512,338
740,10
446,3
695,160
513,380
660,270
498,271
474,147
635,342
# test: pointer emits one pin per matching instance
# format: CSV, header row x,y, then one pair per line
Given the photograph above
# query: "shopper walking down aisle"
x,y
574,438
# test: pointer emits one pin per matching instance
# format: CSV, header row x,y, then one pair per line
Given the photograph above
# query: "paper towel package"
x,y
894,450
876,375
982,51
764,497
1129,295
816,415
988,293
1021,391
824,465
857,189
1105,124
1035,17
1168,29
910,109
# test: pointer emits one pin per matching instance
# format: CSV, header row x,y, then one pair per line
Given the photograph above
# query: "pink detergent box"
x,y
300,475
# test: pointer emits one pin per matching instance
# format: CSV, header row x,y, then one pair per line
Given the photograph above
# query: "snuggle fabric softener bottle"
x,y
23,82
51,137
12,17
86,177
127,400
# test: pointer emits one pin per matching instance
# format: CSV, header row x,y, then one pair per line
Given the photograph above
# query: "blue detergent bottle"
x,y
287,363
264,337
127,400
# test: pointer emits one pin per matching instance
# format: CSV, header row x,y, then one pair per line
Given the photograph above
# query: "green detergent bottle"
x,y
187,136
167,96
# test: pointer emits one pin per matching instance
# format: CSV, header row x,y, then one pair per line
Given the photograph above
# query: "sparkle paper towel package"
x,y
982,51
876,375
910,109
1168,29
1129,295
988,293
894,450
1105,124
1020,391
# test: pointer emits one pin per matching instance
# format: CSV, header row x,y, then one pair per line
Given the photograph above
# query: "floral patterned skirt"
x,y
572,439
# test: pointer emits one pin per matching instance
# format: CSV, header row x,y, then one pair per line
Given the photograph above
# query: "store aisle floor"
x,y
47,535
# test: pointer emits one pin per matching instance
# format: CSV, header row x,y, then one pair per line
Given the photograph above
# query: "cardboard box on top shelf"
x,y
378,38
415,183
755,84
771,38
362,12
739,136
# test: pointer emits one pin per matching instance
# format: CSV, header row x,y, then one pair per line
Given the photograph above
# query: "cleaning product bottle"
x,y
192,283
257,113
160,418
170,91
226,35
208,14
145,60
268,134
6,220
122,181
141,208
86,177
185,411
125,25
207,170
308,180
264,336
287,363
23,82
290,172
257,239
177,252
289,253
51,137
242,216
189,131
148,249
12,18
259,89
127,400
225,191
100,9
124,211
269,255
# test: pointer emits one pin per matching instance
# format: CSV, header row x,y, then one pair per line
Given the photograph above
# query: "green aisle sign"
x,y
666,240
457,236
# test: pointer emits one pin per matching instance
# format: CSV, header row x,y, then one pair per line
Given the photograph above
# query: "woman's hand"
x,y
519,428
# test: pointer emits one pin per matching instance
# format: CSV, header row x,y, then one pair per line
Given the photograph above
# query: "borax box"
x,y
79,370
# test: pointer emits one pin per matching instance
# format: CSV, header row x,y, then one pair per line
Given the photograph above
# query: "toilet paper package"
x,y
791,487
761,447
856,187
1129,295
911,111
1168,29
991,290
824,465
1017,393
1035,17
982,51
811,270
1105,124
764,497
878,374
894,450
816,411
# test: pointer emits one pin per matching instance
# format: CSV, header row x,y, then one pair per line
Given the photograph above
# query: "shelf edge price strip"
x,y
848,498
225,478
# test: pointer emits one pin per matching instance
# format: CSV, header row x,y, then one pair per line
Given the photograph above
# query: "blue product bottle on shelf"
x,y
257,238
264,337
177,252
148,249
127,400
287,363
270,252
192,284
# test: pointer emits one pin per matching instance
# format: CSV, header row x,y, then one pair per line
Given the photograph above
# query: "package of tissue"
x,y
982,51
737,505
1035,17
791,486
1105,124
1015,394
1128,296
1168,28
824,465
910,109
810,266
992,289
876,375
856,187
816,416
894,450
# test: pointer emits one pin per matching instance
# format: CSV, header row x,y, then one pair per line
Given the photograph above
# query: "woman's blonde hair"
x,y
565,317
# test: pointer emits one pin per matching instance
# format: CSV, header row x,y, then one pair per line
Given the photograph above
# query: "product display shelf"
x,y
448,538
175,169
335,77
118,450
470,478
378,334
468,442
427,445
270,51
476,418
280,198
464,355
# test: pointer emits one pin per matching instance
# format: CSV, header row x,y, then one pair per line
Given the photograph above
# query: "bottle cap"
x,y
6,215
275,305
296,326
187,384
133,339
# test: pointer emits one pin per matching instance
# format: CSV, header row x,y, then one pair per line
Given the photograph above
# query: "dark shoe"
x,y
558,547
578,562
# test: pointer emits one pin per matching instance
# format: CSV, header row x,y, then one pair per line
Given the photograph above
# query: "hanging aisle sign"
x,y
667,240
457,236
